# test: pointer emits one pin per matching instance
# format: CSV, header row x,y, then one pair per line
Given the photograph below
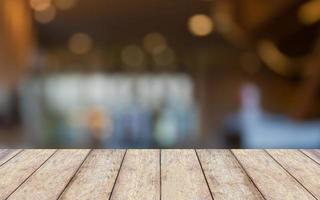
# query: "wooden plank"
x,y
7,154
139,176
314,154
18,169
96,177
271,179
305,170
226,178
182,177
51,178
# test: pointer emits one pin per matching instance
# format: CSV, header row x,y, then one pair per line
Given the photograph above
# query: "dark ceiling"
x,y
120,21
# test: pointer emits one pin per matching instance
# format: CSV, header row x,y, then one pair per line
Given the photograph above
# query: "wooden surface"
x,y
159,174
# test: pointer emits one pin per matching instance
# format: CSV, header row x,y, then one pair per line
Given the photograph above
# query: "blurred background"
x,y
160,73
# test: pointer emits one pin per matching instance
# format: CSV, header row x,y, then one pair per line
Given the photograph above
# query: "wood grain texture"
x,y
159,174
225,176
51,178
139,176
182,177
7,154
314,154
271,179
18,169
305,170
96,177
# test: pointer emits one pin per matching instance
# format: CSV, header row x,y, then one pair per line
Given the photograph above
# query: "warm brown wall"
x,y
17,41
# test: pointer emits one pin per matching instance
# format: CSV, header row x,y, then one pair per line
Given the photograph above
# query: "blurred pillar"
x,y
17,42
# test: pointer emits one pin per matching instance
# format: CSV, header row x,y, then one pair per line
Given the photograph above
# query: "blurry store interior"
x,y
160,74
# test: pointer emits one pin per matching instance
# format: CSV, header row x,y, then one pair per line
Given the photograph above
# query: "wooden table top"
x,y
159,174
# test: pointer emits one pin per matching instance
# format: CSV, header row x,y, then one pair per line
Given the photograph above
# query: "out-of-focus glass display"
x,y
169,73
115,110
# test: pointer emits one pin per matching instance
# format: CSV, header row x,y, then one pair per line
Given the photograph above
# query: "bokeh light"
x,y
80,43
132,56
114,74
273,57
154,43
164,58
309,13
40,5
65,4
200,25
45,16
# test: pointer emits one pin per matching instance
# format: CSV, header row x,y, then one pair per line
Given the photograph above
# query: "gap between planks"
x,y
31,174
290,173
314,155
204,175
115,181
76,172
265,171
246,173
160,171
4,160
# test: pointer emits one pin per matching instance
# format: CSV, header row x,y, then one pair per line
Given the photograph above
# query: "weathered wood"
x,y
19,168
139,176
271,179
154,174
305,170
226,178
96,177
51,178
7,154
182,177
314,154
